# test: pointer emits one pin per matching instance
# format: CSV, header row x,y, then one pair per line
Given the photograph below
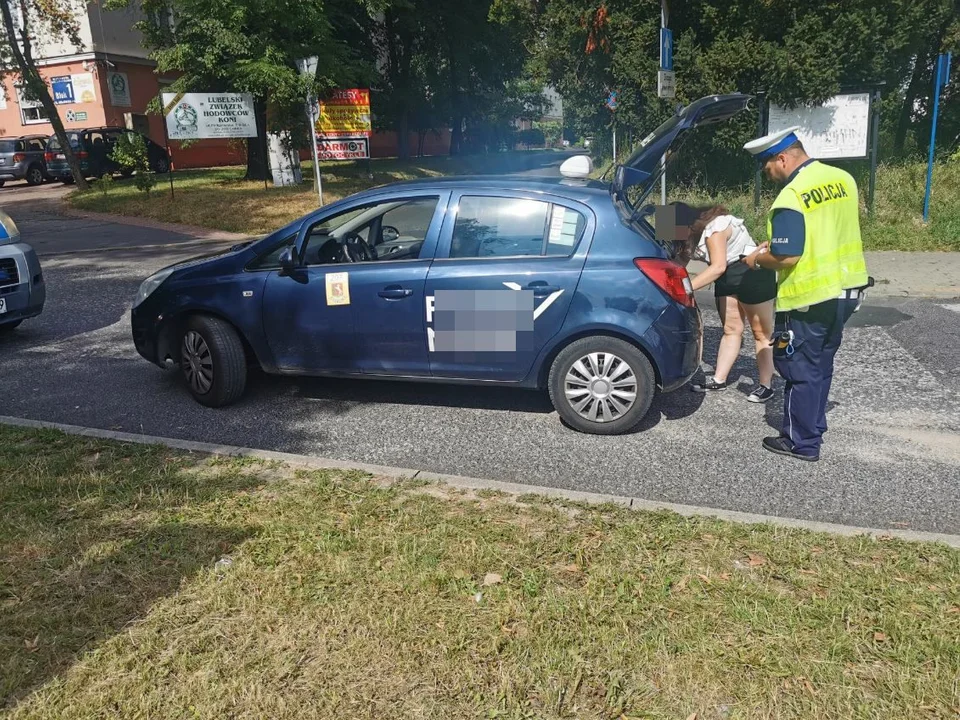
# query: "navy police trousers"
x,y
809,369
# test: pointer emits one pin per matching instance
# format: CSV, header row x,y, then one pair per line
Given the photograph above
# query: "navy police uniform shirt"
x,y
788,232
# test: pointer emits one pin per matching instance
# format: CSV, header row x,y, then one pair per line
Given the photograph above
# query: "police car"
x,y
23,291
556,284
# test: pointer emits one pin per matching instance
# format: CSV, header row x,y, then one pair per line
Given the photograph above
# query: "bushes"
x,y
130,153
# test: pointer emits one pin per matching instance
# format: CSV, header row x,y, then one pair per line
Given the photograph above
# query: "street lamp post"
x,y
308,68
664,14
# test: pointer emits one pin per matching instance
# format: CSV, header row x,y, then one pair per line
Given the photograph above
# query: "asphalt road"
x,y
891,458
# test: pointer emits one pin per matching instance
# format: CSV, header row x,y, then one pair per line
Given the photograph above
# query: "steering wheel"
x,y
356,249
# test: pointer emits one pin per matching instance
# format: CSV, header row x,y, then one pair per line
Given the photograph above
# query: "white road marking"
x,y
955,308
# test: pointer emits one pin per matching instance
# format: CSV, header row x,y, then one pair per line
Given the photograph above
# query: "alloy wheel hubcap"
x,y
600,387
197,362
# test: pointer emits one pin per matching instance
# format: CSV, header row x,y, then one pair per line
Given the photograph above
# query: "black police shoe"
x,y
782,446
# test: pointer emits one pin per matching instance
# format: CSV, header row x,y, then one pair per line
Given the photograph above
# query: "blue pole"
x,y
933,137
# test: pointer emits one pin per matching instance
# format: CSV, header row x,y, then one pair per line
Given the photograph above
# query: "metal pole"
x,y
874,142
761,130
663,158
614,142
166,139
313,145
933,137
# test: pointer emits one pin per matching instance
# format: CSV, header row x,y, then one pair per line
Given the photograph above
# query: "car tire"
x,y
602,385
34,175
212,361
2,183
126,173
67,180
8,327
161,165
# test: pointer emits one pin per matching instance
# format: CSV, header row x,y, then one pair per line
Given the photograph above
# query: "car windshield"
x,y
54,142
8,146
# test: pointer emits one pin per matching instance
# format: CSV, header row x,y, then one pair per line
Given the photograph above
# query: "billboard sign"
x,y
839,128
201,116
344,125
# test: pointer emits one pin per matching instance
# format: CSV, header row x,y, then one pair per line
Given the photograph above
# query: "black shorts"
x,y
750,287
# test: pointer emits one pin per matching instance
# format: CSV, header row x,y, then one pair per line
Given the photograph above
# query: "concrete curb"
x,y
200,233
480,484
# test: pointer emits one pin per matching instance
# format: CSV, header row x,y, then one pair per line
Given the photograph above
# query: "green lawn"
x,y
141,582
219,198
897,222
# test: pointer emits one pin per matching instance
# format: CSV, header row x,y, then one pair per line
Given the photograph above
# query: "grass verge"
x,y
220,198
141,582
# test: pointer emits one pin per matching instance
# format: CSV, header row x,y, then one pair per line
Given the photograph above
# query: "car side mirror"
x,y
288,263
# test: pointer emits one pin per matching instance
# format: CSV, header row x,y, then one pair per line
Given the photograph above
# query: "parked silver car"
x,y
21,158
22,288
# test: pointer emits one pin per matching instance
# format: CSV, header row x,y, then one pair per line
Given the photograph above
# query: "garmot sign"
x,y
200,116
344,126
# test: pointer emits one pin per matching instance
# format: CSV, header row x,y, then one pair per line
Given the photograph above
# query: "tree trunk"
x,y
403,134
456,136
421,138
36,85
258,164
909,100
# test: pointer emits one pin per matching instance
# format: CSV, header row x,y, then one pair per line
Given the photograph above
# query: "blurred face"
x,y
776,168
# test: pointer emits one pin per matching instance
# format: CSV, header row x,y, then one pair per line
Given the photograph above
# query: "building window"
x,y
31,111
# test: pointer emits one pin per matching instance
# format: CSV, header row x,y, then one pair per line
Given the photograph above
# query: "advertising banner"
x,y
62,87
344,125
201,116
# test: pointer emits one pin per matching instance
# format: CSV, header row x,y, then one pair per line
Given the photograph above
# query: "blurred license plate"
x,y
3,306
61,156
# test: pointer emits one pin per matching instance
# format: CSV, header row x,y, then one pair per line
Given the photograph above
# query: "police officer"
x,y
815,247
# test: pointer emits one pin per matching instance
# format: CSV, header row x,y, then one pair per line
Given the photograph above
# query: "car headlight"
x,y
150,284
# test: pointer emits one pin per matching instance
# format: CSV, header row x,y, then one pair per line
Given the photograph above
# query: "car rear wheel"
x,y
602,385
34,175
161,165
212,361
67,180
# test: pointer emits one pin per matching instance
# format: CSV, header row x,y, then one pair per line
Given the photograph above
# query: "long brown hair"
x,y
697,219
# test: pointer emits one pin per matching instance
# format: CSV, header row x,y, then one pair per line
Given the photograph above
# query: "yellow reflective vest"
x,y
832,259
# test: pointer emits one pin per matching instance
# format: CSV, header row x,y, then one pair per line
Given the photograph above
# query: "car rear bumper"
x,y
12,173
676,339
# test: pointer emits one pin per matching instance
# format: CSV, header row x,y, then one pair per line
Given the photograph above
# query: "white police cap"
x,y
767,146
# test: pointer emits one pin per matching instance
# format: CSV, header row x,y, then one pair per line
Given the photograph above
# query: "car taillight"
x,y
669,277
19,157
82,155
48,156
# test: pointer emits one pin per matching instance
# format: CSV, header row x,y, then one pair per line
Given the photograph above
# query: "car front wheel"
x,y
161,165
212,361
602,385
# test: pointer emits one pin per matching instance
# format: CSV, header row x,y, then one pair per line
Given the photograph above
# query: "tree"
x,y
55,19
795,53
252,46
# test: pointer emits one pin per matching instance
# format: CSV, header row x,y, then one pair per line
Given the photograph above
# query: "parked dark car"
x,y
558,284
93,147
22,158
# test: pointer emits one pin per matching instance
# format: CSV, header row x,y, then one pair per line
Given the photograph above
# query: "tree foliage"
x,y
794,52
23,23
252,46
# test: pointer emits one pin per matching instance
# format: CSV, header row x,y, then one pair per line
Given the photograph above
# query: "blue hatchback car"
x,y
557,284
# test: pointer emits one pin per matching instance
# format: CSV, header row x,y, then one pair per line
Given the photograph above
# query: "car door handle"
x,y
395,293
541,288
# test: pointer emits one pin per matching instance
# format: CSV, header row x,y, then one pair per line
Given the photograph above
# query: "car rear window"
x,y
54,142
8,146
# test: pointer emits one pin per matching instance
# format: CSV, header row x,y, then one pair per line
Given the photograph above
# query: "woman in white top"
x,y
742,295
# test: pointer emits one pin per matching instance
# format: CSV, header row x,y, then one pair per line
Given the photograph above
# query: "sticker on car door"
x,y
338,288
